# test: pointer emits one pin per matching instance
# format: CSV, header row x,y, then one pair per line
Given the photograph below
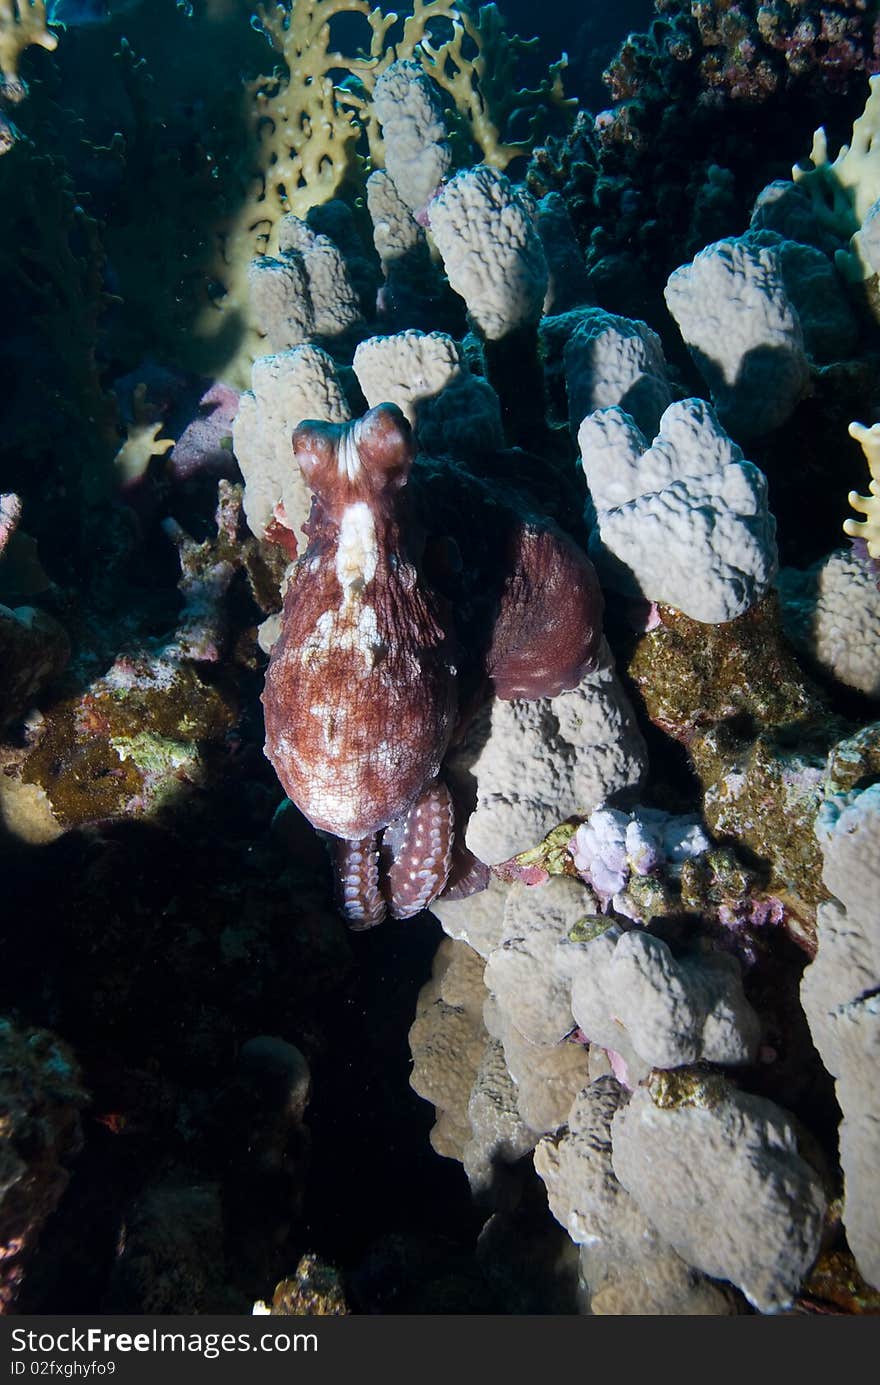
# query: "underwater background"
x,y
439,657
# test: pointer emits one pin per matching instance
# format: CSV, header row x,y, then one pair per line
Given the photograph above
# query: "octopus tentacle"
x,y
467,874
416,851
356,867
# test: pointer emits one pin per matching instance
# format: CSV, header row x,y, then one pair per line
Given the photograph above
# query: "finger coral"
x,y
868,505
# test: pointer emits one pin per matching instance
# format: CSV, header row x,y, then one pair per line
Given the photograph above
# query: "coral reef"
x,y
310,131
682,521
736,1147
701,103
391,532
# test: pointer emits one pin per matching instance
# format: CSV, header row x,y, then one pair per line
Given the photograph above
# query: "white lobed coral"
x,y
494,1092
396,233
630,994
407,104
499,1135
683,520
334,302
446,1039
719,1175
839,993
818,295
302,293
280,302
522,971
832,611
406,368
485,229
742,329
626,1266
580,748
286,388
477,920
616,360
547,1076
452,411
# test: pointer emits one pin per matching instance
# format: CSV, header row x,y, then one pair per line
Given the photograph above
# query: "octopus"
x,y
365,688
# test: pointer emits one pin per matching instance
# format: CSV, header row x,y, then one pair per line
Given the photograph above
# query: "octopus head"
x,y
367,460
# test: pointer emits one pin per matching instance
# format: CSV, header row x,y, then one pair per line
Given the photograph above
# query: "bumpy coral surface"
x,y
683,520
839,994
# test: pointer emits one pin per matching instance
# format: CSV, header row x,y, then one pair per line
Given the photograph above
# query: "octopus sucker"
x,y
416,852
357,882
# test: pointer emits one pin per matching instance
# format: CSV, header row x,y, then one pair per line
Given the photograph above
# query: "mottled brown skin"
x,y
548,628
360,692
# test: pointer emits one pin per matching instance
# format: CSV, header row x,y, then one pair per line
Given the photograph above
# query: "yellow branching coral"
x,y
142,441
481,82
22,24
844,190
307,123
867,505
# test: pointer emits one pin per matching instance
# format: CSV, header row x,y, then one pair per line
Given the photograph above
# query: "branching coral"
x,y
142,442
844,190
308,128
310,124
867,529
701,103
745,51
22,24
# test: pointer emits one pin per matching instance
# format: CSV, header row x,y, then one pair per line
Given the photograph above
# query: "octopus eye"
x,y
386,447
314,448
